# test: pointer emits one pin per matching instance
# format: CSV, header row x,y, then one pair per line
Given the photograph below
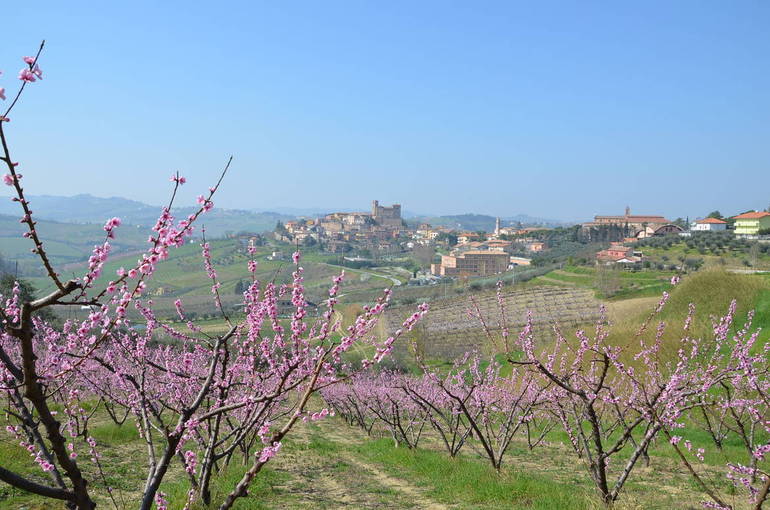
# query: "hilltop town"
x,y
616,240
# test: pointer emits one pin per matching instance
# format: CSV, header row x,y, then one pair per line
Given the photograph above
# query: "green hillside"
x,y
65,243
711,291
182,276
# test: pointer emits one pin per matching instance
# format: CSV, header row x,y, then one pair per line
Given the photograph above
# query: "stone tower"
x,y
386,216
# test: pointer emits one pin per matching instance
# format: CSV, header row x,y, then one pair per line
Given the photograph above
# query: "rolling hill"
x,y
83,209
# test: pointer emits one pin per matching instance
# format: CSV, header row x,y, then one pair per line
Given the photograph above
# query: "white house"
x,y
709,225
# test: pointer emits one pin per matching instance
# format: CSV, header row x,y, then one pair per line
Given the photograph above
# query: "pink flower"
x,y
8,179
2,93
27,75
111,224
29,60
268,452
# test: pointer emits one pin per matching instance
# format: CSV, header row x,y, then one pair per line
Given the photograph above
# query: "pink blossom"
x,y
2,93
268,452
27,76
8,179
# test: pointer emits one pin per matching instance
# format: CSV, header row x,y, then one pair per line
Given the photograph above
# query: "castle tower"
x,y
497,226
628,211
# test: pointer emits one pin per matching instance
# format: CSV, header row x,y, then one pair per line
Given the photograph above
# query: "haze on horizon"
x,y
558,110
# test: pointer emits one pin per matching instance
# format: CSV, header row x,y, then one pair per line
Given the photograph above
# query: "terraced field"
x,y
449,330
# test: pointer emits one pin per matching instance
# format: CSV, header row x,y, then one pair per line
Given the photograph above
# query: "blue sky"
x,y
554,109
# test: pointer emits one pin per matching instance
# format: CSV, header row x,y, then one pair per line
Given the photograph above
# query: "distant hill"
x,y
475,222
85,209
528,220
88,209
64,242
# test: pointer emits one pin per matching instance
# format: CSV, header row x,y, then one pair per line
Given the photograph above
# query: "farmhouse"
x,y
751,223
709,225
535,246
618,254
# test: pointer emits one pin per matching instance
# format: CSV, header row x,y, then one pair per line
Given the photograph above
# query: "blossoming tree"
x,y
198,402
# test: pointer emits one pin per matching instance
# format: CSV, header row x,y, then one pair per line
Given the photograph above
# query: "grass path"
x,y
320,474
414,495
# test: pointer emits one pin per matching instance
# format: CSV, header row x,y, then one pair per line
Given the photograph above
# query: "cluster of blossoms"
x,y
32,72
34,451
28,74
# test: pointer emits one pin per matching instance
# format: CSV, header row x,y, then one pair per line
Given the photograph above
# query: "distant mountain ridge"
x,y
88,209
476,222
84,209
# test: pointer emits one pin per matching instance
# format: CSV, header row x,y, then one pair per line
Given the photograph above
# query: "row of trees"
x,y
613,401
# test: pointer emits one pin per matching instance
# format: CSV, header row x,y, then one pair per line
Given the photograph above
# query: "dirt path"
x,y
414,494
325,474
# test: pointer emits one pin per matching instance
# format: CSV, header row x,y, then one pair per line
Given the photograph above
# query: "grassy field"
x,y
711,291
